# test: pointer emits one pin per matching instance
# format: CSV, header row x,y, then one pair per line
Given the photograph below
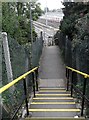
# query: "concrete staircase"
x,y
53,104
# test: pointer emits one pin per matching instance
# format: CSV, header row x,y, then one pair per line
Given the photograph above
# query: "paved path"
x,y
52,100
52,70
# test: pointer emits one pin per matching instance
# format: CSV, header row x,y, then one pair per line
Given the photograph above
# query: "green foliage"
x,y
73,41
68,25
15,20
8,19
72,11
19,55
36,12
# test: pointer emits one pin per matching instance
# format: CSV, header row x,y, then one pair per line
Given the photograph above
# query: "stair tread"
x,y
54,92
53,103
54,118
53,106
53,110
52,88
54,113
39,94
53,98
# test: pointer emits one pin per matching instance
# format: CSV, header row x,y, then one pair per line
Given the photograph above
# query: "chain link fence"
x,y
23,58
76,55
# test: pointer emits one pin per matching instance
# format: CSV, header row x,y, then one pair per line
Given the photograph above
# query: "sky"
x,y
51,4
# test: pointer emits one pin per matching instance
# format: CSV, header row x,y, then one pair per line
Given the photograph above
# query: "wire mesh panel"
x,y
76,55
13,97
80,61
21,58
36,52
87,102
12,100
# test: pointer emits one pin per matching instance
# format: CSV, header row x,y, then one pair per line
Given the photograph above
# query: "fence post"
x,y
36,79
25,93
67,75
72,83
33,80
7,60
83,97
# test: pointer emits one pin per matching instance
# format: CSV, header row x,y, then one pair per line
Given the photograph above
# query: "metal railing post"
x,y
67,75
83,98
36,79
72,74
25,93
33,80
66,72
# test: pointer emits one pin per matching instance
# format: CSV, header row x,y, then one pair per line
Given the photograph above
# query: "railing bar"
x,y
4,88
17,109
33,83
67,79
25,93
77,89
72,83
87,100
36,73
77,71
84,92
66,72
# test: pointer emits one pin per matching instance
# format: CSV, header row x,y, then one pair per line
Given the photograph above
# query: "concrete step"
x,y
53,92
54,118
52,88
53,95
54,112
53,99
49,81
54,105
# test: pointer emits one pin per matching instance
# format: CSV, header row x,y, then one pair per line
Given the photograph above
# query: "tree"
x,y
74,41
15,19
72,12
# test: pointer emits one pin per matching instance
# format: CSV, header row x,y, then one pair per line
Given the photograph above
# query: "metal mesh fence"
x,y
76,55
36,52
23,59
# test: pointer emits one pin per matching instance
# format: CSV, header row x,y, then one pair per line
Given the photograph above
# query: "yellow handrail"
x,y
16,80
79,72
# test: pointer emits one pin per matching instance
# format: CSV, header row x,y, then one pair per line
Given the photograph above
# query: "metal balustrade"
x,y
34,73
70,75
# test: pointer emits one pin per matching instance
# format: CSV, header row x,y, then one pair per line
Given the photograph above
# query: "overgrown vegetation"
x,y
73,39
23,55
16,20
